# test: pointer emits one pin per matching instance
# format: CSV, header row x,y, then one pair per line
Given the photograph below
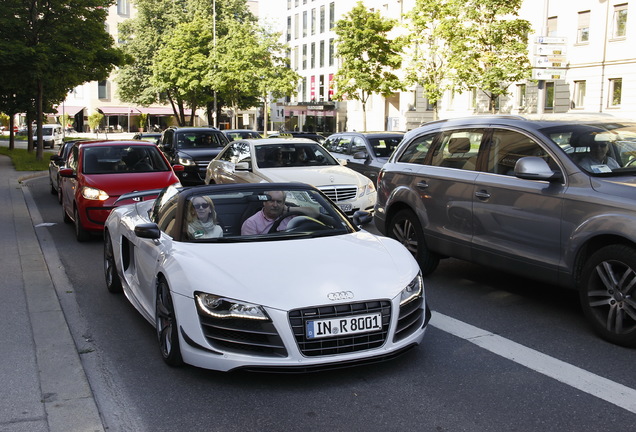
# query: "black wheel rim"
x,y
165,320
404,232
611,298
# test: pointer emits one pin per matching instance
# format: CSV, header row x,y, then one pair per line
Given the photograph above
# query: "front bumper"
x,y
280,345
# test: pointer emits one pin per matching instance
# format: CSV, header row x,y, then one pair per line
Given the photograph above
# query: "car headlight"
x,y
221,307
94,194
413,290
186,161
367,189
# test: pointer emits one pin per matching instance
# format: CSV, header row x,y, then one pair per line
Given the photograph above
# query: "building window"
x,y
304,56
616,90
296,26
296,58
332,53
583,31
332,14
289,28
579,94
322,19
122,7
305,24
552,26
549,96
313,21
521,95
321,54
312,55
620,21
102,90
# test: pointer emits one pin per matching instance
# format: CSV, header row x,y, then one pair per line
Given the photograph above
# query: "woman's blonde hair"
x,y
192,214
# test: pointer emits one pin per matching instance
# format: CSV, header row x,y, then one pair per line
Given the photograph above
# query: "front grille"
x,y
410,319
202,165
340,193
339,344
243,336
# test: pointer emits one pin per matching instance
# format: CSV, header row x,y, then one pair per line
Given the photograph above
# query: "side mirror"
x,y
148,231
362,217
243,166
535,168
68,173
360,155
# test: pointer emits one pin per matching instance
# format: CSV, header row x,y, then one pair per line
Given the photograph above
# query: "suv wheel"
x,y
405,228
608,293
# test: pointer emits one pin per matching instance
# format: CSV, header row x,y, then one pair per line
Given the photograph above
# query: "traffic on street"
x,y
501,352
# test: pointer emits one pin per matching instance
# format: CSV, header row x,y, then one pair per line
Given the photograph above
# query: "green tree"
x,y
53,46
369,57
249,64
428,54
488,46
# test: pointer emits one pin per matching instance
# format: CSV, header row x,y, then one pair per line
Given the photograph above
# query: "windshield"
x,y
598,149
122,159
193,139
292,155
254,215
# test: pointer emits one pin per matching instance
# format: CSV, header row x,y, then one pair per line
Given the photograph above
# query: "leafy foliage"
x,y
369,56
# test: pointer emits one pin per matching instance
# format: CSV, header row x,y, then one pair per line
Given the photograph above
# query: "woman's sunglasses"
x,y
201,206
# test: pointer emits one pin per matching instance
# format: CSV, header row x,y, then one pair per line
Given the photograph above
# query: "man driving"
x,y
273,209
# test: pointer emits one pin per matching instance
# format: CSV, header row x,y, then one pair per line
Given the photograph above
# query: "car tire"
x,y
59,191
80,233
53,190
608,293
405,228
113,282
166,325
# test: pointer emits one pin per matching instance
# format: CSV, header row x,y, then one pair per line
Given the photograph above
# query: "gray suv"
x,y
552,200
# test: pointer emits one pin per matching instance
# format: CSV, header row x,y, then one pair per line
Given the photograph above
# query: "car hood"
x,y
289,274
117,184
197,153
315,176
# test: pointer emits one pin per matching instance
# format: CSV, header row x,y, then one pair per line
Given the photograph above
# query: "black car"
x,y
192,147
365,152
58,161
152,137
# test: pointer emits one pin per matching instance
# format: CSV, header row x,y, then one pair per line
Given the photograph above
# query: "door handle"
x,y
482,194
422,185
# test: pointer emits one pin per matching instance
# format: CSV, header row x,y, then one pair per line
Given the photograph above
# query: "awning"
x,y
68,110
114,110
161,111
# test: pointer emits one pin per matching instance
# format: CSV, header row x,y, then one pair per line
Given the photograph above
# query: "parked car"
x,y
97,173
57,162
365,152
298,134
552,200
193,148
153,137
237,134
209,312
293,159
52,135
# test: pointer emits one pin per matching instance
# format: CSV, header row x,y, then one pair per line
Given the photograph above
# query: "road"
x,y
502,354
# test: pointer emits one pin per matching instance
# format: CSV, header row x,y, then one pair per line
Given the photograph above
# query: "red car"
x,y
97,173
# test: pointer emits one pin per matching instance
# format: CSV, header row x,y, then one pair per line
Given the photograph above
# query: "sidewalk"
x,y
44,386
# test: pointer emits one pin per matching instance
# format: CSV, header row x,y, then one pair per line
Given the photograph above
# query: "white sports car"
x,y
293,160
309,291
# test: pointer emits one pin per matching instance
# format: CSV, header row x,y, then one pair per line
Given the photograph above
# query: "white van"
x,y
51,135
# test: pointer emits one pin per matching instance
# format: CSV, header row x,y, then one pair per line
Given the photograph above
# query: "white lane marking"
x,y
566,373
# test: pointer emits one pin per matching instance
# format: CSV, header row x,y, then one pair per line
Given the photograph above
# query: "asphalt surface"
x,y
44,386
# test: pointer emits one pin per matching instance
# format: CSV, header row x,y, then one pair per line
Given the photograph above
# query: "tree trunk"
x,y
39,116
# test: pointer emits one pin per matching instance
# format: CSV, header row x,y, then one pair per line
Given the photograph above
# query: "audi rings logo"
x,y
342,295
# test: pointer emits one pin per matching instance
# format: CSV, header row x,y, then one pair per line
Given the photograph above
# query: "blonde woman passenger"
x,y
202,220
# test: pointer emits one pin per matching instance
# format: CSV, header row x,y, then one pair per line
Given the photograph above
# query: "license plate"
x,y
345,207
343,326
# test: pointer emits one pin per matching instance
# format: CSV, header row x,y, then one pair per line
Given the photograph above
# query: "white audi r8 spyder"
x,y
308,290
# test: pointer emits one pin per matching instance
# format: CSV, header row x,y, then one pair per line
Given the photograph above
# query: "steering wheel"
x,y
305,223
282,217
630,162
